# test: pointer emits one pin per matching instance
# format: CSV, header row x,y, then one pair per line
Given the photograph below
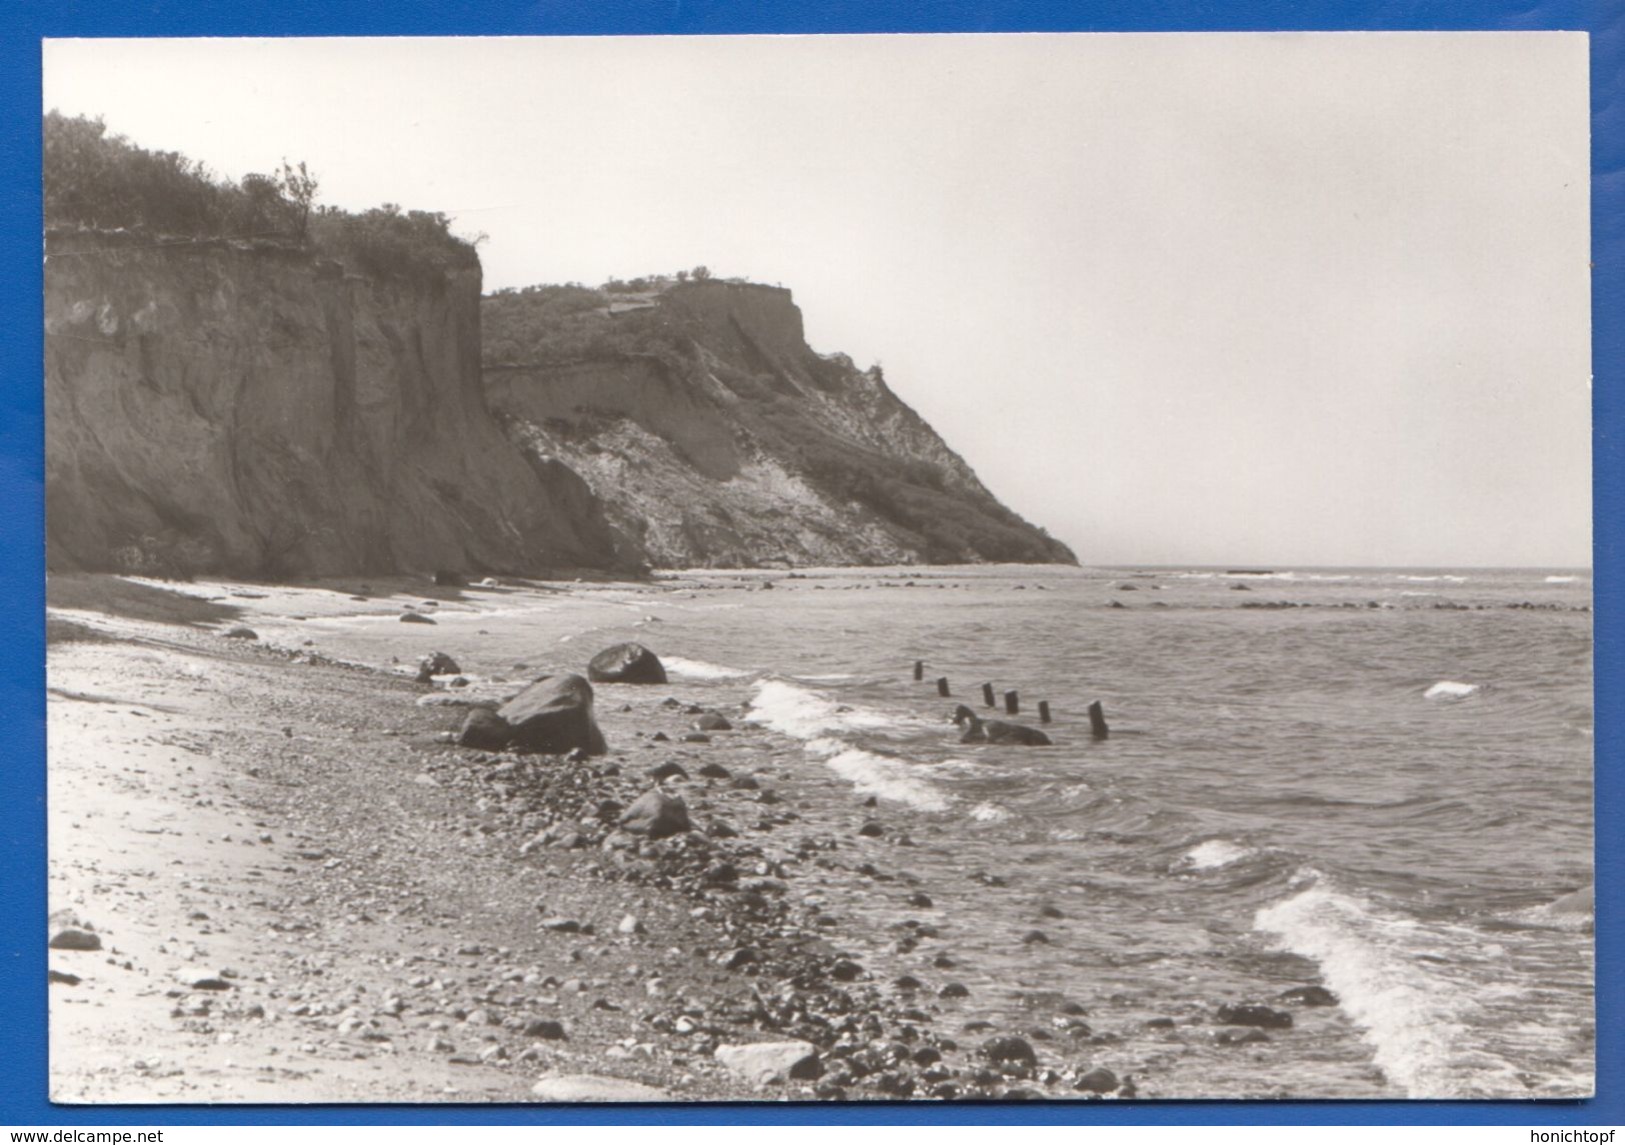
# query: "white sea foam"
x,y
683,667
975,767
879,775
1212,854
1402,983
817,718
808,714
1447,577
1412,988
1449,690
1288,575
1561,579
988,813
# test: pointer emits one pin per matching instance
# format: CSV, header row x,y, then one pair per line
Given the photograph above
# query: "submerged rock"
x,y
626,664
1253,1014
415,618
554,716
1308,996
978,730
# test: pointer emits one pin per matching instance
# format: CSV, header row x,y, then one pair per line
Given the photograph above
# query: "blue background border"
x,y
22,684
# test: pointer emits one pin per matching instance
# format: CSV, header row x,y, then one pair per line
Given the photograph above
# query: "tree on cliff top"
x,y
298,186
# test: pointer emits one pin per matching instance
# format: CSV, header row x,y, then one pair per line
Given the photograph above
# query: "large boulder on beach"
x,y
657,815
587,1087
626,664
485,730
75,938
554,716
764,1062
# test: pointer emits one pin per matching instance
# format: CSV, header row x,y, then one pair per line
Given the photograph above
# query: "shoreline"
x,y
377,915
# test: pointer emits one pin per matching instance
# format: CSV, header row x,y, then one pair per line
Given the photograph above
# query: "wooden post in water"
x,y
1097,721
1043,711
1012,703
942,685
919,669
987,694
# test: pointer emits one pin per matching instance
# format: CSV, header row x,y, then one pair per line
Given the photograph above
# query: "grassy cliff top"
x,y
94,180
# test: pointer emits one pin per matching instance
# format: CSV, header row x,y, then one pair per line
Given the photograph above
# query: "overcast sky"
x,y
1213,299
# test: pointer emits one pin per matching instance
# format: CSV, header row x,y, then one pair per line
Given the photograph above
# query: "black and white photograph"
x,y
818,568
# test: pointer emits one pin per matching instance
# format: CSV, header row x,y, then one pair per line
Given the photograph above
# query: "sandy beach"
x,y
303,892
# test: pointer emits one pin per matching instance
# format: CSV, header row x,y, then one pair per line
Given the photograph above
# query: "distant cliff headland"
x,y
238,380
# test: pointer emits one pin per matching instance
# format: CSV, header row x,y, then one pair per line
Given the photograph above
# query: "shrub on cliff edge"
x,y
101,181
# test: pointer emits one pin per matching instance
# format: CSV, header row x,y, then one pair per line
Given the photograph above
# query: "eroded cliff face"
x,y
714,436
227,407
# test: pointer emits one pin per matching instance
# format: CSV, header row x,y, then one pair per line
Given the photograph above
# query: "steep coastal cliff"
x,y
714,436
239,381
249,407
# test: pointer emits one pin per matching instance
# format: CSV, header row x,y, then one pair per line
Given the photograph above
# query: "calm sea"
x,y
1385,794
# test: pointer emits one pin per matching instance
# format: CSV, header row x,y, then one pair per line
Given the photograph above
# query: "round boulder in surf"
x,y
554,716
626,664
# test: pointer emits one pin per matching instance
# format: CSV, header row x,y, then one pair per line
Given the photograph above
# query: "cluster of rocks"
x,y
1436,606
837,1031
70,933
554,715
748,981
